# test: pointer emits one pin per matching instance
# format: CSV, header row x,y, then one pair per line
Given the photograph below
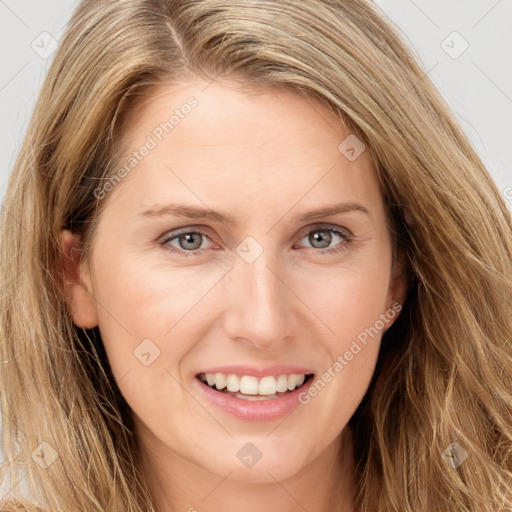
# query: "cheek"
x,y
143,308
351,301
357,304
354,312
349,298
146,324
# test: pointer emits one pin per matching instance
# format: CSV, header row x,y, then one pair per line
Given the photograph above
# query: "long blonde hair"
x,y
444,374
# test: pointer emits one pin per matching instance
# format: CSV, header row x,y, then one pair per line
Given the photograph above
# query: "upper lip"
x,y
258,371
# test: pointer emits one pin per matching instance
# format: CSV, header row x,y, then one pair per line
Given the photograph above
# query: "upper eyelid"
x,y
319,227
171,235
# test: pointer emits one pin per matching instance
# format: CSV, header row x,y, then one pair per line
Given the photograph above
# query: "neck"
x,y
325,484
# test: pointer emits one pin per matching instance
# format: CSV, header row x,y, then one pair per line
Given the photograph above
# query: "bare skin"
x,y
265,159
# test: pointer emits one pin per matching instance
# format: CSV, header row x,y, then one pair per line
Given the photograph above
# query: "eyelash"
x,y
346,237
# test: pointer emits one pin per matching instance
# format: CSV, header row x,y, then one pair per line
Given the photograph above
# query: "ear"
x,y
76,281
397,289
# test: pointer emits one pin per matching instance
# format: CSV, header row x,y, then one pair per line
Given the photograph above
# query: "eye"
x,y
321,238
188,242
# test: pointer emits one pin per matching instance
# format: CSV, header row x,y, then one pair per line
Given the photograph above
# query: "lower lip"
x,y
261,410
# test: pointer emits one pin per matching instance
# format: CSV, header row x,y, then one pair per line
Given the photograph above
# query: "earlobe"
x,y
76,282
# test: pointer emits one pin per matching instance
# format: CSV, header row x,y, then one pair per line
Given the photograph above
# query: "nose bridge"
x,y
259,301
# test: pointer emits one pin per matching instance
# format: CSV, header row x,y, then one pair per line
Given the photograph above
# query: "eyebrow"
x,y
194,212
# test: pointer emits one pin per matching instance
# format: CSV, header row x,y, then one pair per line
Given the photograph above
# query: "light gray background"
x,y
477,83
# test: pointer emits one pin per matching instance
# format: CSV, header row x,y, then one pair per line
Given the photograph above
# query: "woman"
x,y
239,271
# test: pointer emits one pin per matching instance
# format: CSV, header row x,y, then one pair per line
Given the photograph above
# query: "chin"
x,y
259,460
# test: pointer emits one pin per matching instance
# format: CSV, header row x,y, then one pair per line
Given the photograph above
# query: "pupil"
x,y
186,238
324,238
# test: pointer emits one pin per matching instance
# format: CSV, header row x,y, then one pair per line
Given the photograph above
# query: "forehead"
x,y
219,141
283,113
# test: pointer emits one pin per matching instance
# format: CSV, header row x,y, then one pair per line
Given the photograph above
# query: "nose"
x,y
259,304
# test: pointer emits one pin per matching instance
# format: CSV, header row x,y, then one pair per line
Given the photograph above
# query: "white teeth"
x,y
250,385
220,380
267,386
233,383
282,383
292,381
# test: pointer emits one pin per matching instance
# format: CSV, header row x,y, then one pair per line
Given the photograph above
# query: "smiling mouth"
x,y
249,387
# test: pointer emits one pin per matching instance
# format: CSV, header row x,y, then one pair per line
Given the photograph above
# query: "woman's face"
x,y
208,260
